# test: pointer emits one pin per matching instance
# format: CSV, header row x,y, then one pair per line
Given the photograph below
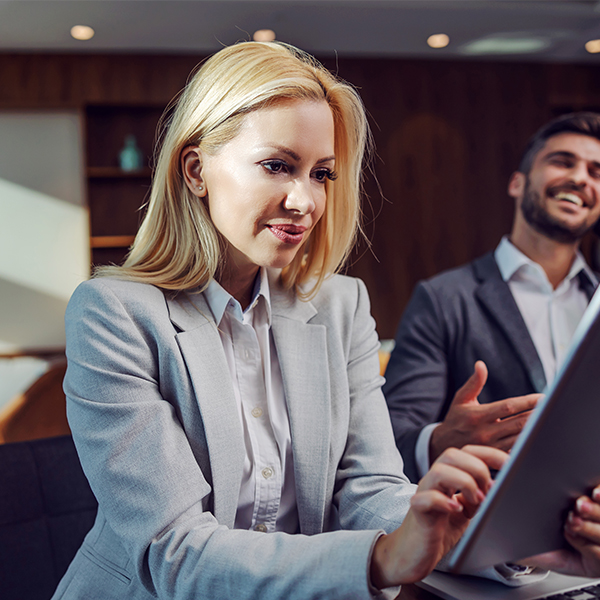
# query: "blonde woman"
x,y
223,385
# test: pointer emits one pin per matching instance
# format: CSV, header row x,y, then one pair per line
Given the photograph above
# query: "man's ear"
x,y
516,185
191,167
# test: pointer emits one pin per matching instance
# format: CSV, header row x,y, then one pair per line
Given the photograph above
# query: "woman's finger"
x,y
427,501
492,457
476,461
458,475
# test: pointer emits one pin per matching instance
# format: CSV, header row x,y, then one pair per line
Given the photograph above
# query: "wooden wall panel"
x,y
448,135
70,81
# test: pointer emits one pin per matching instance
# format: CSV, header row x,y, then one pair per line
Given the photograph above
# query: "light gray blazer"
x,y
154,419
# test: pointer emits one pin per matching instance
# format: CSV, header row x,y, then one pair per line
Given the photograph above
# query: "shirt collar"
x,y
510,259
219,300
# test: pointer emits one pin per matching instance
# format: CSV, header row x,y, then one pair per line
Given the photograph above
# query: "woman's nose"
x,y
300,198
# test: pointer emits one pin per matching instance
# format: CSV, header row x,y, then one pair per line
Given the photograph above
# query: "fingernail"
x,y
596,494
480,496
573,521
583,505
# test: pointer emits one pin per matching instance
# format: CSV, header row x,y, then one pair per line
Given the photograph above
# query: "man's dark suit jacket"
x,y
453,320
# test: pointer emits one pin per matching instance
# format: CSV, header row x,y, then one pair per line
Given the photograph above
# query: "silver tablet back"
x,y
555,459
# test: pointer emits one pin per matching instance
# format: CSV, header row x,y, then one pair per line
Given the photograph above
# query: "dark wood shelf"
x,y
111,241
117,173
116,198
45,353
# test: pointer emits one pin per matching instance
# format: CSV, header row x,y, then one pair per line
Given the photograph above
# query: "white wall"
x,y
44,245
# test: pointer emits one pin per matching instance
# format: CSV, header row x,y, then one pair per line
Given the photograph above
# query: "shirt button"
x,y
257,412
267,472
260,527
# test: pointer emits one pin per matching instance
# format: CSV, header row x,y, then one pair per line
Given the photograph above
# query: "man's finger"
x,y
503,433
505,443
503,409
473,386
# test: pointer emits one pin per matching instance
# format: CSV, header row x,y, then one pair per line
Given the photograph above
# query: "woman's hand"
x,y
582,531
447,497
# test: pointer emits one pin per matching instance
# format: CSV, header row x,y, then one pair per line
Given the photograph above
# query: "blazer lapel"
x,y
203,354
301,350
495,295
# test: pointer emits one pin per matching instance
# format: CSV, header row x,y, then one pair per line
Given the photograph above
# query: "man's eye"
x,y
562,162
274,166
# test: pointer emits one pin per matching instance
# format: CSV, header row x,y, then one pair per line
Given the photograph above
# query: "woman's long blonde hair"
x,y
177,246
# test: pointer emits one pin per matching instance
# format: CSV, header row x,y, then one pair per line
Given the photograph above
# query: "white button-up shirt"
x,y
267,499
551,315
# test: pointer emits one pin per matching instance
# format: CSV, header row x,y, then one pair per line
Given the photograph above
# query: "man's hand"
x,y
496,424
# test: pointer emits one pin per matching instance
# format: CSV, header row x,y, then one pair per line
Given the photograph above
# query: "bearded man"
x,y
511,313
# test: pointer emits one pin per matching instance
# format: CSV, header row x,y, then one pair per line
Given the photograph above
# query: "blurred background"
x,y
453,89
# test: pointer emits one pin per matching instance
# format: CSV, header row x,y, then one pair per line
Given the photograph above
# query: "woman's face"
x,y
266,187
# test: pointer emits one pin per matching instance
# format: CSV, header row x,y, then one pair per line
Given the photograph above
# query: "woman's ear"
x,y
191,167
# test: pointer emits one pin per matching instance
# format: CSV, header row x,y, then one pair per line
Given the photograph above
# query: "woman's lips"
x,y
289,234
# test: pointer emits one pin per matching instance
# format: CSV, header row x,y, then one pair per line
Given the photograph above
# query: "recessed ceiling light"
x,y
438,40
82,32
264,35
593,46
506,44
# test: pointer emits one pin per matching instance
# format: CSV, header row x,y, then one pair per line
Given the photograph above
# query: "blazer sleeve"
x,y
417,374
372,489
150,488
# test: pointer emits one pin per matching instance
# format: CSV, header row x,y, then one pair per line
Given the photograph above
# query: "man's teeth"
x,y
574,198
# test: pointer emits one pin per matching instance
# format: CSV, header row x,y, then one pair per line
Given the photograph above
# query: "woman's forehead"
x,y
304,124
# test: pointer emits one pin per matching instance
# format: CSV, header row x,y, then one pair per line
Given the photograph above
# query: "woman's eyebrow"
x,y
296,157
326,159
285,150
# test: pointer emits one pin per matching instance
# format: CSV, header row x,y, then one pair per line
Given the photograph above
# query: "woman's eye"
x,y
322,174
275,166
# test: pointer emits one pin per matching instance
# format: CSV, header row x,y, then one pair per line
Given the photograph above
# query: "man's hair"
x,y
584,123
177,246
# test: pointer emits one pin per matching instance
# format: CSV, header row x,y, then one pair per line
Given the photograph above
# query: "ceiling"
x,y
531,30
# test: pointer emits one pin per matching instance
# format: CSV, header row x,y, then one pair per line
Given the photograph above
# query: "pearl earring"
x,y
200,187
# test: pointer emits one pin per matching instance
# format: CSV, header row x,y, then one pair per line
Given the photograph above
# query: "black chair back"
x,y
46,509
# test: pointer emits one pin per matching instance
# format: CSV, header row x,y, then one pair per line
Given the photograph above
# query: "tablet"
x,y
555,459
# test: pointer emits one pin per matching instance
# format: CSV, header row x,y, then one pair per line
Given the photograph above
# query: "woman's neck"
x,y
240,284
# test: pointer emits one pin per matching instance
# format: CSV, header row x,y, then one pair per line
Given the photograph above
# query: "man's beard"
x,y
537,216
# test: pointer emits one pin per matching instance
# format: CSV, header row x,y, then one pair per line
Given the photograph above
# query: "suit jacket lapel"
x,y
203,354
495,295
301,350
588,286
